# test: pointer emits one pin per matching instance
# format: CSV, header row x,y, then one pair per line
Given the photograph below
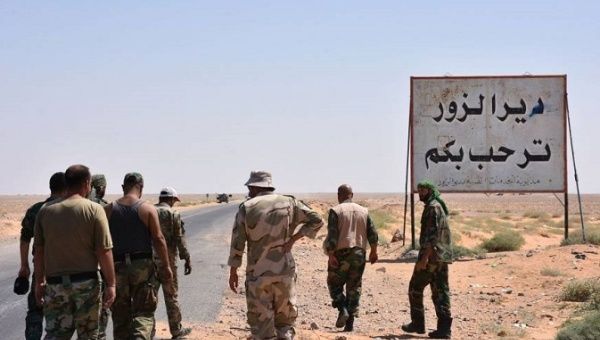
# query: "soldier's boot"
x,y
444,329
349,324
182,333
416,325
342,317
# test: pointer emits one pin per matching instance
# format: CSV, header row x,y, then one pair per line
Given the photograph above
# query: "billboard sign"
x,y
489,134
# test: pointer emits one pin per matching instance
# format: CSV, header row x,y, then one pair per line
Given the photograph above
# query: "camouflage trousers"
x,y
72,307
349,272
35,316
436,276
134,306
171,298
271,306
103,323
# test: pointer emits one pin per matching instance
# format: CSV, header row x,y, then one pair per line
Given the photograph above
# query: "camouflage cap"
x,y
168,192
260,179
133,178
98,180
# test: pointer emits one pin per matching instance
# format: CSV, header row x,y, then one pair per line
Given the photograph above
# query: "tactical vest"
x,y
352,225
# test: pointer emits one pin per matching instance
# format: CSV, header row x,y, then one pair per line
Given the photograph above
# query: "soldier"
x,y
172,228
97,195
35,314
266,222
98,189
135,230
71,240
349,229
432,265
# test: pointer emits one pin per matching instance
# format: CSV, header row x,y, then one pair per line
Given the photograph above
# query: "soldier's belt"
x,y
64,279
131,257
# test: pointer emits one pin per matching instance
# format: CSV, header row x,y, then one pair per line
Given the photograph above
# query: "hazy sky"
x,y
196,94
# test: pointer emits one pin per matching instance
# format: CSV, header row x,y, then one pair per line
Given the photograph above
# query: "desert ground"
x,y
509,294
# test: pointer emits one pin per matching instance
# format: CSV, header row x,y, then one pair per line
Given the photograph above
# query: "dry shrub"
x,y
591,237
507,240
381,218
580,290
536,214
459,251
586,328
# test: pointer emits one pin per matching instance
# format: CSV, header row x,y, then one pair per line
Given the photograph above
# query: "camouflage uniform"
x,y
135,304
351,266
99,180
35,314
172,228
435,233
266,222
70,307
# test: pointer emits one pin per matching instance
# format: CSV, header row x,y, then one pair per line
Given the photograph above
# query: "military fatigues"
x,y
349,228
72,295
435,233
172,228
136,274
98,200
265,223
35,313
104,313
98,180
77,304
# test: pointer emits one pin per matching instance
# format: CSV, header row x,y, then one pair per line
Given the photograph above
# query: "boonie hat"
x,y
168,192
260,179
21,285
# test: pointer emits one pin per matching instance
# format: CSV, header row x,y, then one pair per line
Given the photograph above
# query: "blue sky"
x,y
196,94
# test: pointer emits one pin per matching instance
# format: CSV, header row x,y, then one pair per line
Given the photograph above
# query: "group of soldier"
x,y
76,232
134,243
265,225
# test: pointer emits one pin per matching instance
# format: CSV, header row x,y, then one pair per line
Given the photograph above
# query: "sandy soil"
x,y
504,295
12,209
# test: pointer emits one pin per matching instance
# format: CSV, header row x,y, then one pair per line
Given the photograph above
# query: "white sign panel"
x,y
489,134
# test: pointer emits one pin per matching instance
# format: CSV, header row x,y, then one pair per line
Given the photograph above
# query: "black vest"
x,y
129,234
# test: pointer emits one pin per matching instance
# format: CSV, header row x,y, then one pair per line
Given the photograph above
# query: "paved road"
x,y
207,230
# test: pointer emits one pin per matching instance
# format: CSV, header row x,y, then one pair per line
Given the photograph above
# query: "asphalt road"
x,y
200,293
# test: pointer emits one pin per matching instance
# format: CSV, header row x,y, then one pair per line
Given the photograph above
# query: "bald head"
x,y
78,179
344,193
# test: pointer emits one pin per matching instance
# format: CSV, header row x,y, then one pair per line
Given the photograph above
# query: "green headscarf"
x,y
435,193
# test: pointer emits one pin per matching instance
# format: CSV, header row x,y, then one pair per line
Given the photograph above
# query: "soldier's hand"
x,y
24,272
373,257
187,268
40,289
108,298
333,261
233,279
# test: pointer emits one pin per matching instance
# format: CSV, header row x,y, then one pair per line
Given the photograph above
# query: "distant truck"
x,y
223,198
